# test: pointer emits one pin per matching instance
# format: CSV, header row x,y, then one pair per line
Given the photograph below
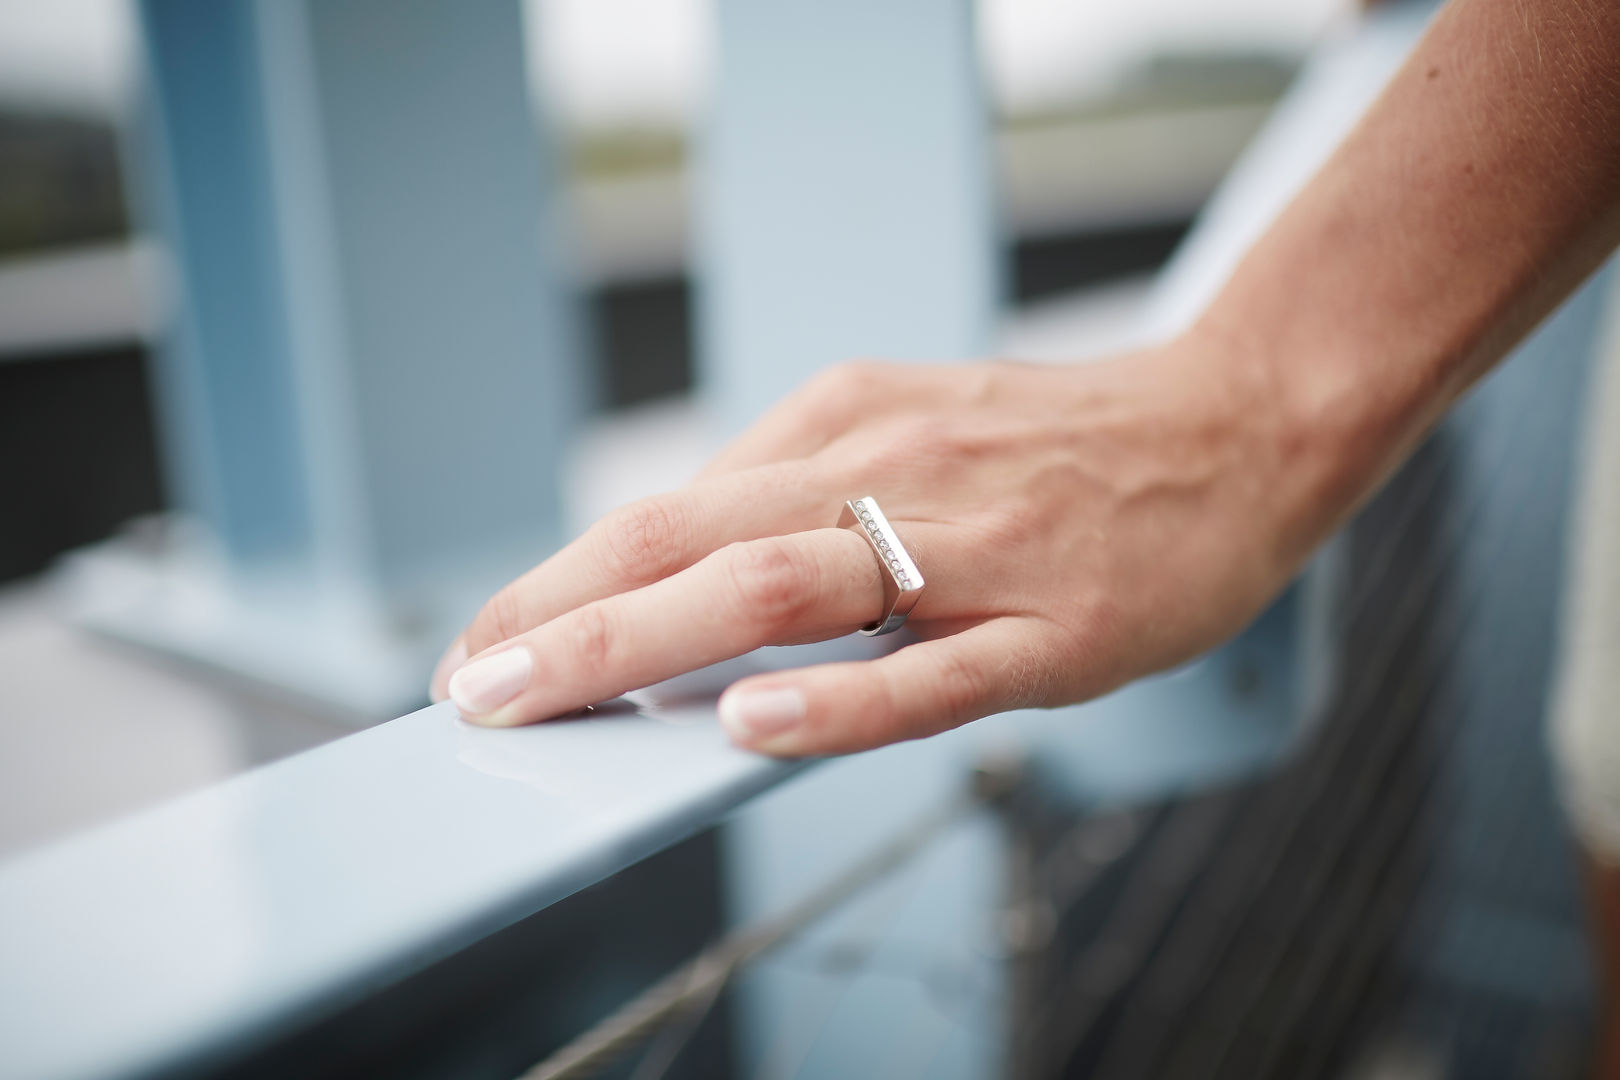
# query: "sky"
x,y
76,53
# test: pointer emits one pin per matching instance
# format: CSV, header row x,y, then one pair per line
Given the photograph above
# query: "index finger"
x,y
801,586
649,540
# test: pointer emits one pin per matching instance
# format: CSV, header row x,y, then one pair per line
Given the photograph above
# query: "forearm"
x,y
1477,192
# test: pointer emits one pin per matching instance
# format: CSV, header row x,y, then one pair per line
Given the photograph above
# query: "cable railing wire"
x,y
694,985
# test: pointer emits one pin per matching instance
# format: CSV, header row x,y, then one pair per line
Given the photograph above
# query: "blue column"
x,y
373,366
845,195
230,418
845,211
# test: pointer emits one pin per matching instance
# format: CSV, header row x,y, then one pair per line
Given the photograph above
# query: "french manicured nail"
x,y
756,714
453,658
484,685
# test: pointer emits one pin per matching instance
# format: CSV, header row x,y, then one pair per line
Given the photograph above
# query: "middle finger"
x,y
652,539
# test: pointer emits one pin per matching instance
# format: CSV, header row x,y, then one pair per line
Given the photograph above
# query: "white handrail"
x,y
217,921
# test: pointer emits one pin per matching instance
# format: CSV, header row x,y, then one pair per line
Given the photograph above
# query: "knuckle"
x,y
1029,677
834,394
772,581
591,637
924,446
856,375
959,684
502,617
980,384
845,385
990,381
643,541
929,430
1081,657
824,384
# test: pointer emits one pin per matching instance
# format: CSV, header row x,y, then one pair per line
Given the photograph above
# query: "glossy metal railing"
x,y
190,934
182,934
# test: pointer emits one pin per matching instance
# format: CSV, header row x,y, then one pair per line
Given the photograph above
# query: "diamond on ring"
x,y
902,581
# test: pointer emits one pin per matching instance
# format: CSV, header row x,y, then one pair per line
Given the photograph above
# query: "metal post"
x,y
373,364
845,201
844,211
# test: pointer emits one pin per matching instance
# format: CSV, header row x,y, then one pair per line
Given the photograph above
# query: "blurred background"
x,y
319,320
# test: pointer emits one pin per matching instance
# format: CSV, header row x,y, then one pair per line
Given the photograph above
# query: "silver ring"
x,y
902,581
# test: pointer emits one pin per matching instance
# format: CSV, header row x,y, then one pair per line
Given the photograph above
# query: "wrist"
x,y
1329,427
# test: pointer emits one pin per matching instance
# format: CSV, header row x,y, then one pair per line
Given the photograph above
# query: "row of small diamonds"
x,y
882,543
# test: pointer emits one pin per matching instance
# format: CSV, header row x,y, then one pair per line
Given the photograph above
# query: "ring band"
x,y
902,581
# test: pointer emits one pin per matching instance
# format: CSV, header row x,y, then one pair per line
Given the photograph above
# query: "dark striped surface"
x,y
1405,891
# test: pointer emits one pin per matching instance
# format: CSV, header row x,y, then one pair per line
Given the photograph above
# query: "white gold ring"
x,y
902,581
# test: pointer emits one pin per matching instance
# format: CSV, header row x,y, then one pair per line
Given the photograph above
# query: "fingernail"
x,y
752,714
485,685
453,658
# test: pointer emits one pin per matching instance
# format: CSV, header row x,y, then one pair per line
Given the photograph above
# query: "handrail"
x,y
227,917
193,933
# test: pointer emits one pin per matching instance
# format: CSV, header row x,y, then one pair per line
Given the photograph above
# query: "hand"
x,y
1077,527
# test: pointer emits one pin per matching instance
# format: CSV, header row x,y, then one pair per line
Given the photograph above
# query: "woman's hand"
x,y
1077,527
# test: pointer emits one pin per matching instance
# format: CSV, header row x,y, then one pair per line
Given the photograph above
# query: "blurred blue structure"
x,y
845,211
846,206
373,365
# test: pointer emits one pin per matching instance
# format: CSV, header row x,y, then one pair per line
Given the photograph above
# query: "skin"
x,y
1602,877
1083,526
